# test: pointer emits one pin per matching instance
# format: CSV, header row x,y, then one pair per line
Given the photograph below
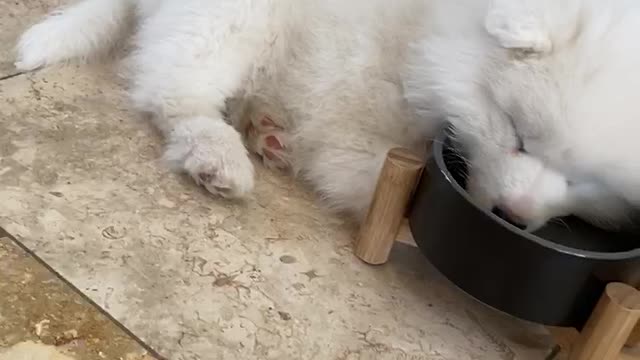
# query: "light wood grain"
x,y
396,183
628,356
610,325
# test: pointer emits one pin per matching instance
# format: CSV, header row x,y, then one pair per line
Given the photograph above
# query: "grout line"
x,y
149,349
10,76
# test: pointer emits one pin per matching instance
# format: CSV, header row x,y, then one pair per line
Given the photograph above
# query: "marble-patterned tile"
x,y
42,314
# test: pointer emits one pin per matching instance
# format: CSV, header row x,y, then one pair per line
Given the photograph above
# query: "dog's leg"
x,y
76,31
193,55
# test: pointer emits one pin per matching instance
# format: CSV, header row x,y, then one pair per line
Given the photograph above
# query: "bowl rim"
x,y
438,155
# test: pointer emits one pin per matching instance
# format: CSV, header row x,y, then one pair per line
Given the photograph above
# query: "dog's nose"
x,y
508,216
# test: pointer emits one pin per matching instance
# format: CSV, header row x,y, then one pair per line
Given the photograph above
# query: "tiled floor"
x,y
196,277
37,307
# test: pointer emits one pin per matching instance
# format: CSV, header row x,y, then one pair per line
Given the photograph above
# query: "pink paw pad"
x,y
267,140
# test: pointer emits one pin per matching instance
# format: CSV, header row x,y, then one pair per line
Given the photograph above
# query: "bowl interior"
x,y
570,231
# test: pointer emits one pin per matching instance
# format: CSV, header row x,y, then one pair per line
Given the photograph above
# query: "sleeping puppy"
x,y
541,92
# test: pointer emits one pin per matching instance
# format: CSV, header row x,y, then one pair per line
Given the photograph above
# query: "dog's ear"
x,y
519,25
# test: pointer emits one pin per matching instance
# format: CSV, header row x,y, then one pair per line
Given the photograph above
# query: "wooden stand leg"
x,y
396,183
610,324
634,338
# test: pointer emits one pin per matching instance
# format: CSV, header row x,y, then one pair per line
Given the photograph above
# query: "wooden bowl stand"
x,y
609,333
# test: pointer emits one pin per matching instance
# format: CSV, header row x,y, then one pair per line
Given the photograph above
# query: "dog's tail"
x,y
75,32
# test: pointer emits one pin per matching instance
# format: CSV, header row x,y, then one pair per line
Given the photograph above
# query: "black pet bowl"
x,y
552,277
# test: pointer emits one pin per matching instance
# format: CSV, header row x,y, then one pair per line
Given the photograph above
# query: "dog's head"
x,y
542,94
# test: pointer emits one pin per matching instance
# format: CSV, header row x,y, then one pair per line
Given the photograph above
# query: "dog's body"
x,y
327,87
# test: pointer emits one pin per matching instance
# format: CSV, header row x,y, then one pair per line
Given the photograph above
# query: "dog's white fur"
x,y
348,80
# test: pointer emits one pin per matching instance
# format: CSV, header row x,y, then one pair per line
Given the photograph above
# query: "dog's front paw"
x,y
229,175
212,152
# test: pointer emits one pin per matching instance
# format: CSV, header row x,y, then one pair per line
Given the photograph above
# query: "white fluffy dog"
x,y
541,92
